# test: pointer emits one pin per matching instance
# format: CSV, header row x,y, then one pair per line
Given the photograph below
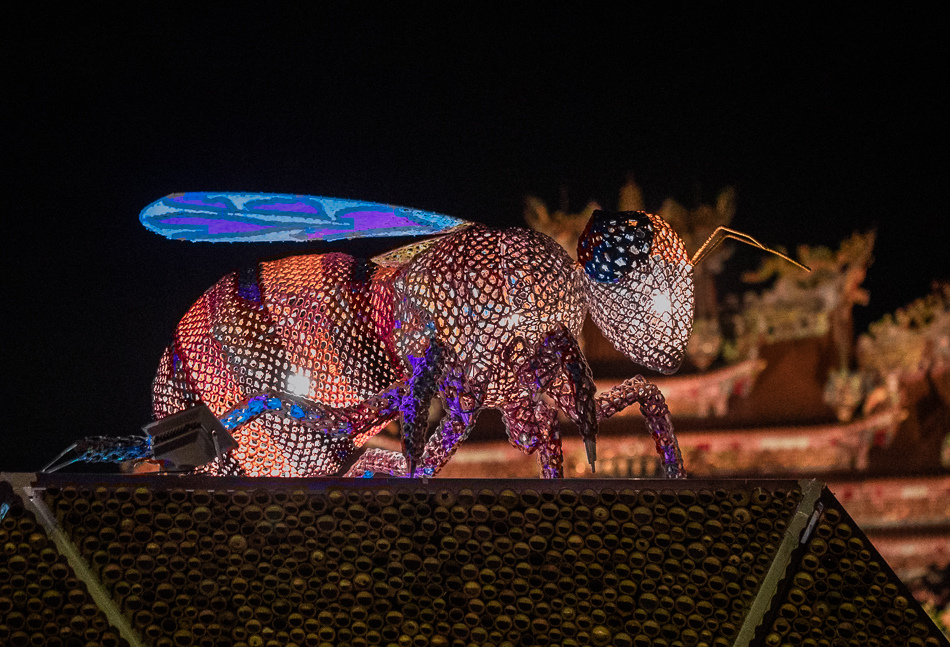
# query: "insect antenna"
x,y
722,233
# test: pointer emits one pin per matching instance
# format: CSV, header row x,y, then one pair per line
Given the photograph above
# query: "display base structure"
x,y
185,560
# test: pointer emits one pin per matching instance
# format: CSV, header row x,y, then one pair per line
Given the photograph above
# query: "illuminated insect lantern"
x,y
306,357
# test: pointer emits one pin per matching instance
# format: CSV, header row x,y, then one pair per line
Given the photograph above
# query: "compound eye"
x,y
613,243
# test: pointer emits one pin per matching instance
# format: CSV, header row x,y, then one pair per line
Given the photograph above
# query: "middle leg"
x,y
557,369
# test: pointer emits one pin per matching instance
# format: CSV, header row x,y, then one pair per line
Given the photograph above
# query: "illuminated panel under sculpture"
x,y
199,560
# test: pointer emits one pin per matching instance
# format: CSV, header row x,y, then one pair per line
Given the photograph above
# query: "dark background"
x,y
826,123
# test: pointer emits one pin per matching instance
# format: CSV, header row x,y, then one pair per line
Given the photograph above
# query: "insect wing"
x,y
277,217
402,255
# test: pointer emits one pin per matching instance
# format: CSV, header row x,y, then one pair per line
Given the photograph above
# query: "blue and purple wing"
x,y
275,217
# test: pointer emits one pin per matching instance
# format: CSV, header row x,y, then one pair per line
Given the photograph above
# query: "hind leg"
x,y
440,447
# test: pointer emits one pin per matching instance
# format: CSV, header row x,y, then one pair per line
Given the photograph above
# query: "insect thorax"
x,y
484,291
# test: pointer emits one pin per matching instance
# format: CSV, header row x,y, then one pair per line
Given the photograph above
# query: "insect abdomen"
x,y
315,326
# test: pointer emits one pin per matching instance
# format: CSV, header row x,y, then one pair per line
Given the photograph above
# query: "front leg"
x,y
655,412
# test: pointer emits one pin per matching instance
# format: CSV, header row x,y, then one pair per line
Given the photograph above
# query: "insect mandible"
x,y
306,357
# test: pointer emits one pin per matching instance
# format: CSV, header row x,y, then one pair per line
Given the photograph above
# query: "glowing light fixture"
x,y
298,382
661,303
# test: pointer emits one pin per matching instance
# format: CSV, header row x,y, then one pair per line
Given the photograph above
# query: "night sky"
x,y
825,123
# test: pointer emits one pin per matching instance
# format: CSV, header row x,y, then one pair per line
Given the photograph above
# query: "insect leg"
x,y
319,438
357,422
422,387
437,452
375,461
461,402
532,426
454,428
657,416
442,444
103,449
558,369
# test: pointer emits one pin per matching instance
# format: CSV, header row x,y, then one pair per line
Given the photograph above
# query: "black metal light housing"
x,y
189,439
